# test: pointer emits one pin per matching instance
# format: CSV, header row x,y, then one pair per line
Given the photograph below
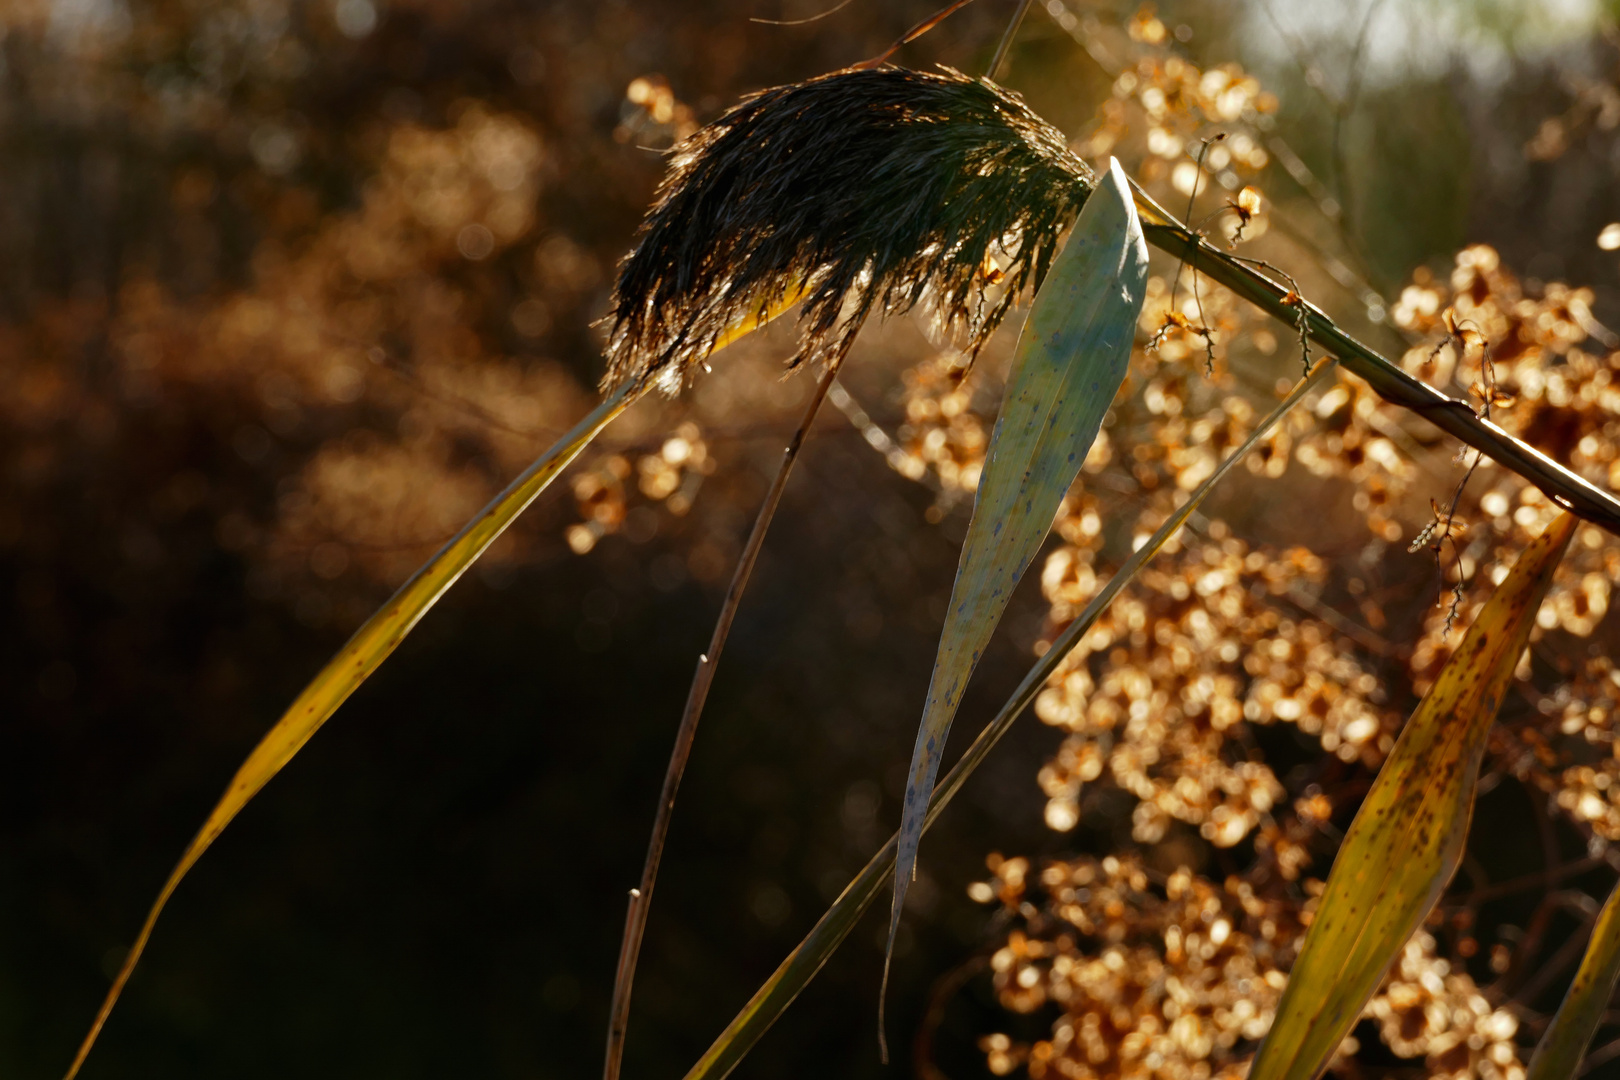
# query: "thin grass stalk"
x,y
802,964
1007,39
635,924
1389,380
370,645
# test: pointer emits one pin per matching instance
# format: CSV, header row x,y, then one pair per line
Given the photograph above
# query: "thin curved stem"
x,y
1007,40
635,922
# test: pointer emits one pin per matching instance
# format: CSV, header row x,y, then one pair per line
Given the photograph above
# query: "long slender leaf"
x,y
373,643
1071,358
1558,1055
801,965
1408,836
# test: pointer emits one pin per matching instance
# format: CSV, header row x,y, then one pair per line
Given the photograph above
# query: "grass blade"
x,y
1408,836
801,965
362,655
1071,358
1558,1055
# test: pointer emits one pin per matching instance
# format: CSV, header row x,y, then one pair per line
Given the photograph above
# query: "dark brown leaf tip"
x,y
869,190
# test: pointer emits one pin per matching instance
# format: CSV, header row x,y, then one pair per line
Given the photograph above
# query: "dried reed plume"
x,y
880,188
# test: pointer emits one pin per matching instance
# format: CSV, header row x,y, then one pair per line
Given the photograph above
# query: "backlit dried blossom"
x,y
1550,388
670,475
941,433
1428,1008
1167,978
1166,100
1177,977
1198,645
1159,699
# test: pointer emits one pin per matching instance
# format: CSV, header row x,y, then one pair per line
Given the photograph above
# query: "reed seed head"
x,y
865,190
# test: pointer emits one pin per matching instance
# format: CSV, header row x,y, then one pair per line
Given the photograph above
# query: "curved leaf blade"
x,y
373,643
1558,1055
1071,359
1407,838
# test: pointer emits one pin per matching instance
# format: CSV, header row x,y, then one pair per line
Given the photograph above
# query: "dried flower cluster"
x,y
941,434
1429,1009
1532,357
1197,646
1566,747
1158,977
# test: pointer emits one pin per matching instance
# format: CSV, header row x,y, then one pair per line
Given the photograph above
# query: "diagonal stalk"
x,y
1390,380
835,924
635,923
1007,39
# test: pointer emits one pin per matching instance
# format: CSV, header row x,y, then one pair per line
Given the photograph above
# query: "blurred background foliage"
x,y
289,289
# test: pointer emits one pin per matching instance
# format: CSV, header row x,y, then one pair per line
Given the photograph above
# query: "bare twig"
x,y
1374,643
1295,300
1202,329
1601,1056
1567,953
946,988
1444,527
835,9
635,924
1541,879
1516,978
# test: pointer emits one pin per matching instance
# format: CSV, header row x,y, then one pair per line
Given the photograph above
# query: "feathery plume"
x,y
862,190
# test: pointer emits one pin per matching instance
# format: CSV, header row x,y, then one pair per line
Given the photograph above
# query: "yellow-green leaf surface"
x,y
364,653
1408,836
1070,360
1558,1055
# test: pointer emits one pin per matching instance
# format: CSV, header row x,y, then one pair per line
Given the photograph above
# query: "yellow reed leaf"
x,y
1408,836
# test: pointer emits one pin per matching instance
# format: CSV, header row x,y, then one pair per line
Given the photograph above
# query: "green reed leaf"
x,y
1071,359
